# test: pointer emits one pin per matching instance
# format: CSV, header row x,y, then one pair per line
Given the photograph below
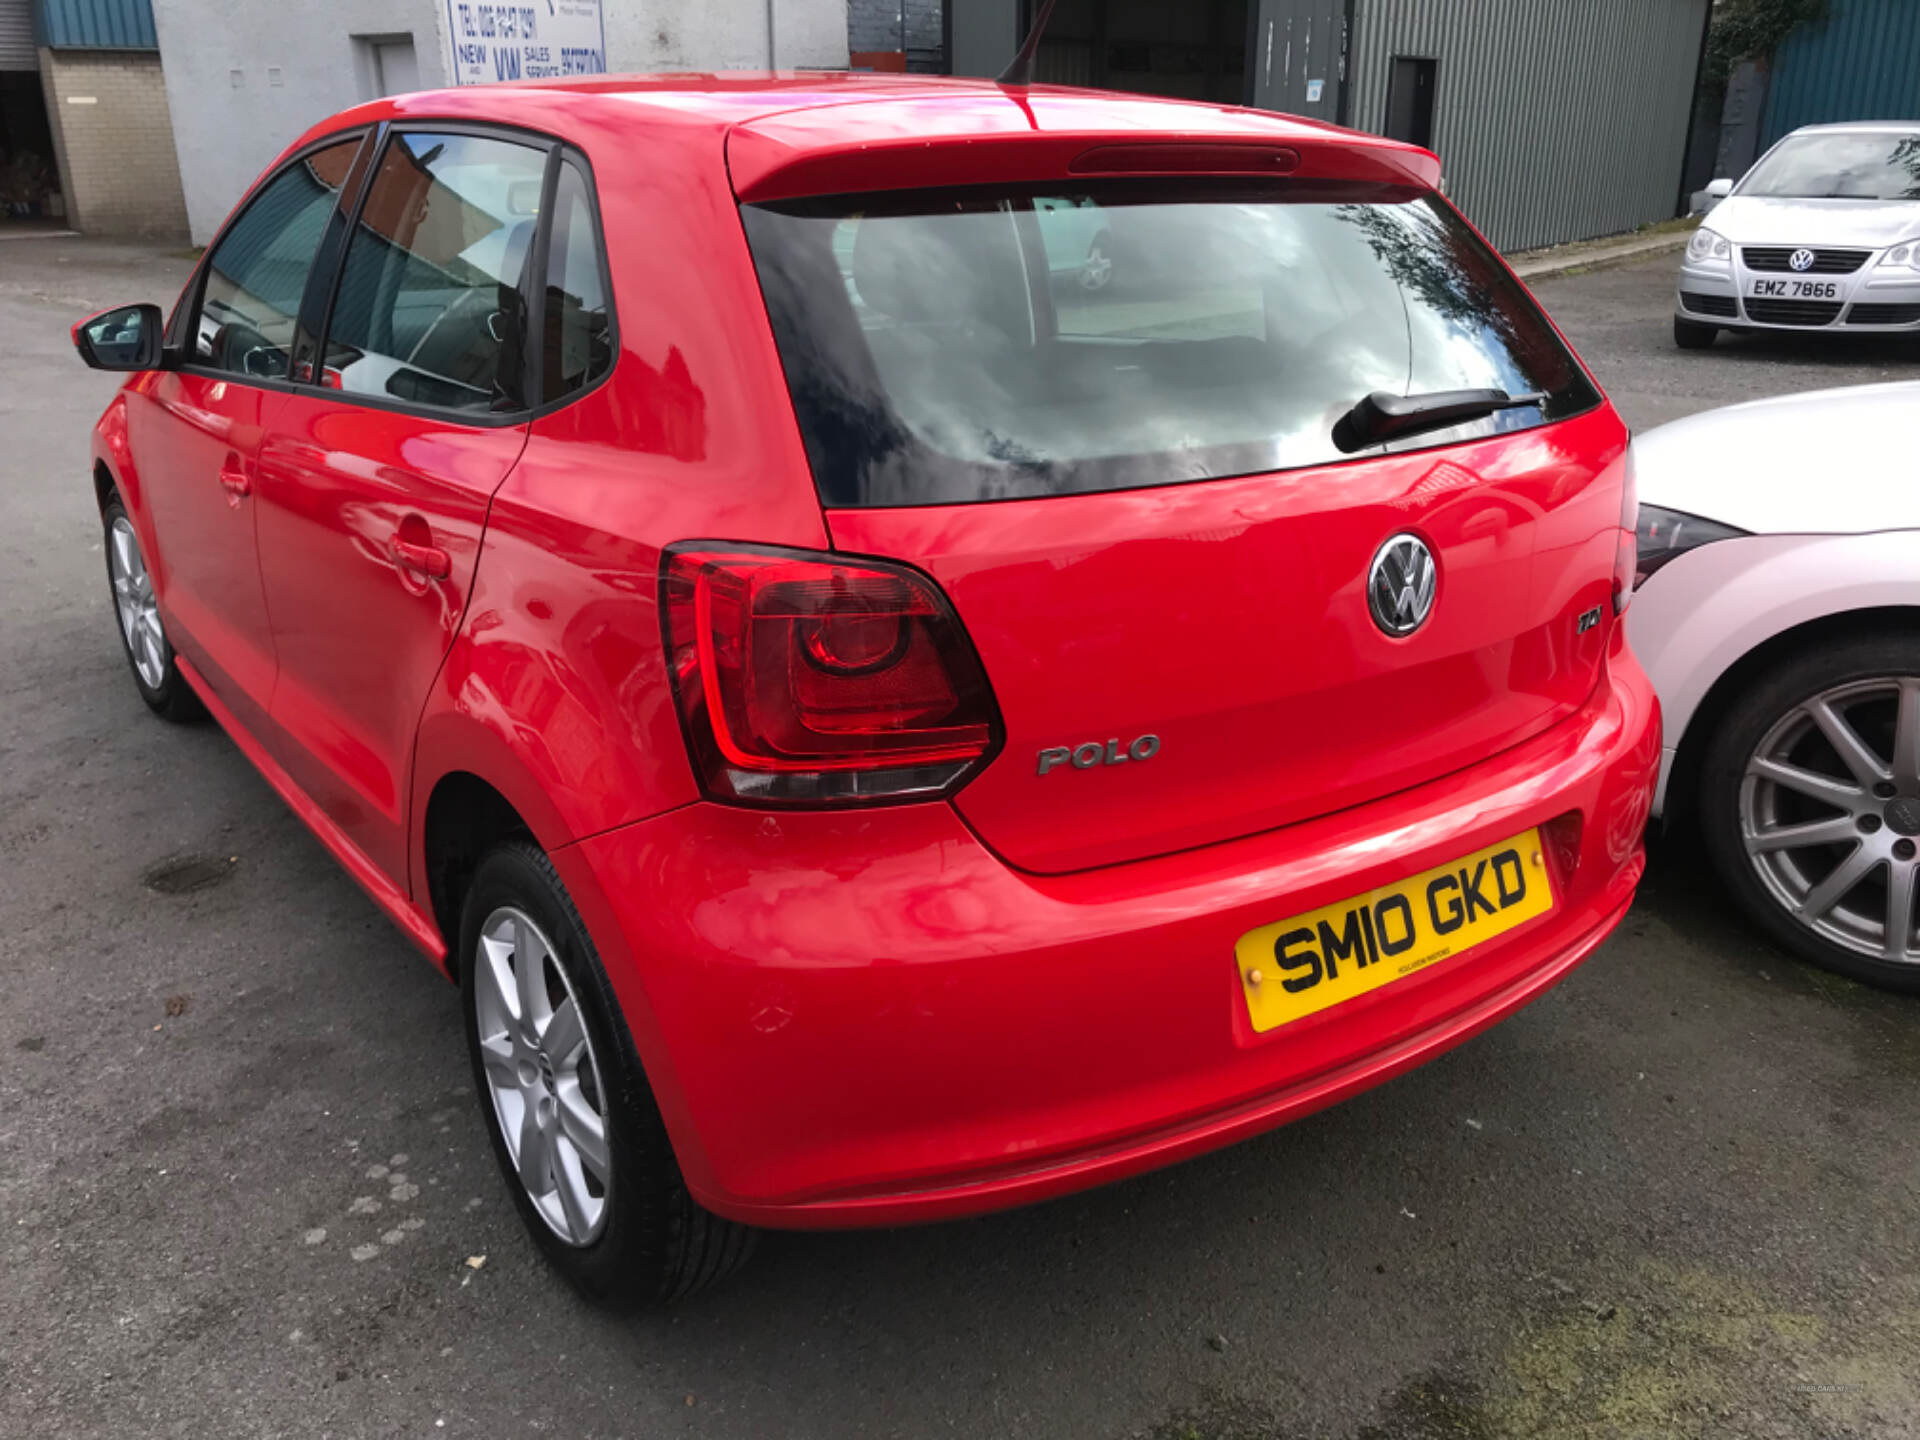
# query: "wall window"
x,y
579,339
430,308
257,272
387,64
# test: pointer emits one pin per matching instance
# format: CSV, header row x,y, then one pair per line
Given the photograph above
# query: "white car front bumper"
x,y
1733,293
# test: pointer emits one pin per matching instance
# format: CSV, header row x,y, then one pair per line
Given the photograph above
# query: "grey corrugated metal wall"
x,y
16,36
1554,121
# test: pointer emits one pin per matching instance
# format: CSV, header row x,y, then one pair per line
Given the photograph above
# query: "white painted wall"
x,y
725,34
985,35
227,130
232,114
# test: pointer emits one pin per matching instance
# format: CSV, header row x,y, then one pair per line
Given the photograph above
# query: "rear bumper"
x,y
867,1018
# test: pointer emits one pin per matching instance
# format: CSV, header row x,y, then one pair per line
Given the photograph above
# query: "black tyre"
x,y
1691,335
1810,806
137,617
572,1119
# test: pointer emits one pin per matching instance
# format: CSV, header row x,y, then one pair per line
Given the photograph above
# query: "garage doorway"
x,y
29,174
1189,51
1410,87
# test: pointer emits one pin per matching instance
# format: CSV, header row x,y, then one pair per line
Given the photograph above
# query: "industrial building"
x,y
1555,121
151,117
85,135
244,78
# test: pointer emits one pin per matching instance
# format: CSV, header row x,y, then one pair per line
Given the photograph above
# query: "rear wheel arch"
x,y
465,818
1683,783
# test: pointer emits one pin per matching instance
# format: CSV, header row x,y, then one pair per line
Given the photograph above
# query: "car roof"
x,y
731,98
836,116
1870,127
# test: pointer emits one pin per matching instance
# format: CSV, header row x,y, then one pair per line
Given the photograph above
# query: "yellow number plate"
x,y
1305,964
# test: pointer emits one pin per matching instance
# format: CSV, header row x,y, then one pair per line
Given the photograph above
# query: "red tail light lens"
x,y
805,679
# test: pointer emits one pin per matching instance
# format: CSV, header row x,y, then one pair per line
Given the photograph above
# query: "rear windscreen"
x,y
977,345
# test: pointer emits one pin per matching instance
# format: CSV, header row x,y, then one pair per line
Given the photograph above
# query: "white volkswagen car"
x,y
1822,234
1776,607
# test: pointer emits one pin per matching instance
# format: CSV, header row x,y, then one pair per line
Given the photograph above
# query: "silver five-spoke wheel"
x,y
133,599
1097,269
539,1063
1829,813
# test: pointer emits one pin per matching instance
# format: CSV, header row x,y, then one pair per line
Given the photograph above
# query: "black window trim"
x,y
183,330
536,317
323,280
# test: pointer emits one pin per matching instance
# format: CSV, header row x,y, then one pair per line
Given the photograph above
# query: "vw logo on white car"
x,y
1801,260
1400,585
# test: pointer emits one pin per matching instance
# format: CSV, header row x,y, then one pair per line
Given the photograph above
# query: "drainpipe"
x,y
773,59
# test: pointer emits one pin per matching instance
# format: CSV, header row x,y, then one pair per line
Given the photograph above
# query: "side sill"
x,y
384,893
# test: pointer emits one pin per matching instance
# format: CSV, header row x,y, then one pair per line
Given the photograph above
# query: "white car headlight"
x,y
1904,256
1705,245
1661,535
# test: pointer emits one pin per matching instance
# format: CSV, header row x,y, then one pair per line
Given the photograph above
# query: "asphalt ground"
x,y
243,1181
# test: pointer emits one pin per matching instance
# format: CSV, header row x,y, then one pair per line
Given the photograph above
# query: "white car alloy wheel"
x,y
1834,843
541,1076
1096,271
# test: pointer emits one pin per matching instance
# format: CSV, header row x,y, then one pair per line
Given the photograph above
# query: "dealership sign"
x,y
525,40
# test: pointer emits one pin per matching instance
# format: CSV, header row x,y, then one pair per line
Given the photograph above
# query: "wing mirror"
x,y
128,337
1719,189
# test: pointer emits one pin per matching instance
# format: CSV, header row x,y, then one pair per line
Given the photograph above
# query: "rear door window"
x,y
431,307
977,345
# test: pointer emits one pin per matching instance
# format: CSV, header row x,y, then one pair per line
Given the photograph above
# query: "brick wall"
x,y
113,135
874,25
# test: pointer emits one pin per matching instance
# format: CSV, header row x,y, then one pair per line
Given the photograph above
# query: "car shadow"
x,y
1837,351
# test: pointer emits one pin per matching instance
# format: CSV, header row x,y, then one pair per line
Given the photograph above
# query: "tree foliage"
x,y
1753,30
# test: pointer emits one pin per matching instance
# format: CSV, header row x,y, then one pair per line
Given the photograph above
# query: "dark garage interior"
x,y
1191,52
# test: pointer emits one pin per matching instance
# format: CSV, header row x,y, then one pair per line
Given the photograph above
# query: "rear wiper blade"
x,y
1384,416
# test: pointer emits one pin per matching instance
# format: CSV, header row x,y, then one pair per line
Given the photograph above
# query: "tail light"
x,y
1626,555
805,679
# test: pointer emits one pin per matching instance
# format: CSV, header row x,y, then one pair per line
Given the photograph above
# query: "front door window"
x,y
255,276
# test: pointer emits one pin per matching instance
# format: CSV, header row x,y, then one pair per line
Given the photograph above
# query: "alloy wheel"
x,y
1830,814
541,1075
1097,269
134,602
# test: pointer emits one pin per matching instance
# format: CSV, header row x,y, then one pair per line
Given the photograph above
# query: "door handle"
x,y
428,560
233,479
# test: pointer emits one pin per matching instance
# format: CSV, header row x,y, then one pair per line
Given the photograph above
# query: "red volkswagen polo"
x,y
912,645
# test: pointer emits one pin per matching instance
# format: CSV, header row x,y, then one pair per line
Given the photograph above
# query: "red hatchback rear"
x,y
914,646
